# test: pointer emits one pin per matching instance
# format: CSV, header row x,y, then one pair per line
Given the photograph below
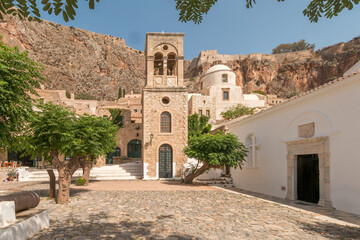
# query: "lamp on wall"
x,y
151,137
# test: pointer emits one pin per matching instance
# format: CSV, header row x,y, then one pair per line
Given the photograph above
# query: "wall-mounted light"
x,y
151,137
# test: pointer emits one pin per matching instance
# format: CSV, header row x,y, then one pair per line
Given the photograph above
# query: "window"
x,y
132,121
135,110
122,119
224,78
200,112
171,64
158,64
165,122
225,95
250,143
105,116
208,113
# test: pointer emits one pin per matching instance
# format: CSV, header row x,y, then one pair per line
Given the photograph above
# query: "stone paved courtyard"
x,y
190,213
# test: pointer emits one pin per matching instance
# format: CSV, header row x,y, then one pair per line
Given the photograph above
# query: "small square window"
x,y
135,110
226,95
224,78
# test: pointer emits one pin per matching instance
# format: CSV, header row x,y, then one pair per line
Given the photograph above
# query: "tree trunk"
x,y
52,192
86,171
64,186
189,179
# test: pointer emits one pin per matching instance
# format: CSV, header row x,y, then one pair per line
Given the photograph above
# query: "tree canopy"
x,y
198,125
19,75
189,10
293,47
215,151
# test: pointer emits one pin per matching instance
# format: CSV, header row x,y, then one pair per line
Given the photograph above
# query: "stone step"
x,y
131,170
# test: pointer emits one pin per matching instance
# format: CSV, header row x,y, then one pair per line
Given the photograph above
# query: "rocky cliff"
x,y
85,62
77,60
282,74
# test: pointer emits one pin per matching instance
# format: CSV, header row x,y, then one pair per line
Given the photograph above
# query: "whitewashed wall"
x,y
335,109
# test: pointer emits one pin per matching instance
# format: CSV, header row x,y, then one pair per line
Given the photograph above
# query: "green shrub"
x,y
80,182
237,111
259,92
68,95
84,96
11,173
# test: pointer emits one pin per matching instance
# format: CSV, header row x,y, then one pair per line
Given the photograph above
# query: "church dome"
x,y
216,68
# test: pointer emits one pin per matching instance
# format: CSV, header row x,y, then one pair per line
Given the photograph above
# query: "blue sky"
x,y
229,27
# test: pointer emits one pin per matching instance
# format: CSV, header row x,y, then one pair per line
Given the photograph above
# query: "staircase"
x,y
126,171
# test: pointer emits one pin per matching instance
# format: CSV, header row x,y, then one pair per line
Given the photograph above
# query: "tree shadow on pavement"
x,y
103,226
331,230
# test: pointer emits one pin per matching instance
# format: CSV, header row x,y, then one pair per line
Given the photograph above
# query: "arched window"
x,y
158,64
250,143
165,122
171,64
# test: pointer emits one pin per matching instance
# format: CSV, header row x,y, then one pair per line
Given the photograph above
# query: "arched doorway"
x,y
165,161
134,149
115,154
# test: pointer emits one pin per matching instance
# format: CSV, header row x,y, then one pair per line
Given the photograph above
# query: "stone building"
x,y
165,107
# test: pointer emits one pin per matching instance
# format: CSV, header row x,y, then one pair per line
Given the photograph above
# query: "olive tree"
x,y
214,151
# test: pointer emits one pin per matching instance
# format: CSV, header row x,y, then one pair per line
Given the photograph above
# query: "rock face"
x,y
84,62
282,74
77,60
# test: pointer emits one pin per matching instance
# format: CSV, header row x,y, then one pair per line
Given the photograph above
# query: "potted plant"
x,y
11,175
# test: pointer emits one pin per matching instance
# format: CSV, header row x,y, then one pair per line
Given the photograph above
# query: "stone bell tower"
x,y
165,107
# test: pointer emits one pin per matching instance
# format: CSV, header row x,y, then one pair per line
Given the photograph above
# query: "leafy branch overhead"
x,y
30,9
193,10
189,10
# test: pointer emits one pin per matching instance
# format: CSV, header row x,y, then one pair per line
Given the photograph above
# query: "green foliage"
x,y
259,92
19,75
116,117
68,95
193,10
54,128
293,47
237,111
217,150
11,173
198,125
84,96
80,182
29,9
189,10
192,79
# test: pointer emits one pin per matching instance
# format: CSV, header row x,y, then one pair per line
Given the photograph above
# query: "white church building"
x,y
219,93
307,148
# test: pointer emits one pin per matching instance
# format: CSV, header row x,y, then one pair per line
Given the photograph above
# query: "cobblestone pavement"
x,y
179,215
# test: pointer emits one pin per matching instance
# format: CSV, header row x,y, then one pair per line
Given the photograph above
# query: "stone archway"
x,y
319,146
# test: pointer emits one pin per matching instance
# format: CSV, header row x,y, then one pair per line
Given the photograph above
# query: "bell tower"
x,y
165,107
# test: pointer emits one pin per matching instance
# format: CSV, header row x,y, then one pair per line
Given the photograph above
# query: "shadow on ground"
x,y
103,226
331,230
329,212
